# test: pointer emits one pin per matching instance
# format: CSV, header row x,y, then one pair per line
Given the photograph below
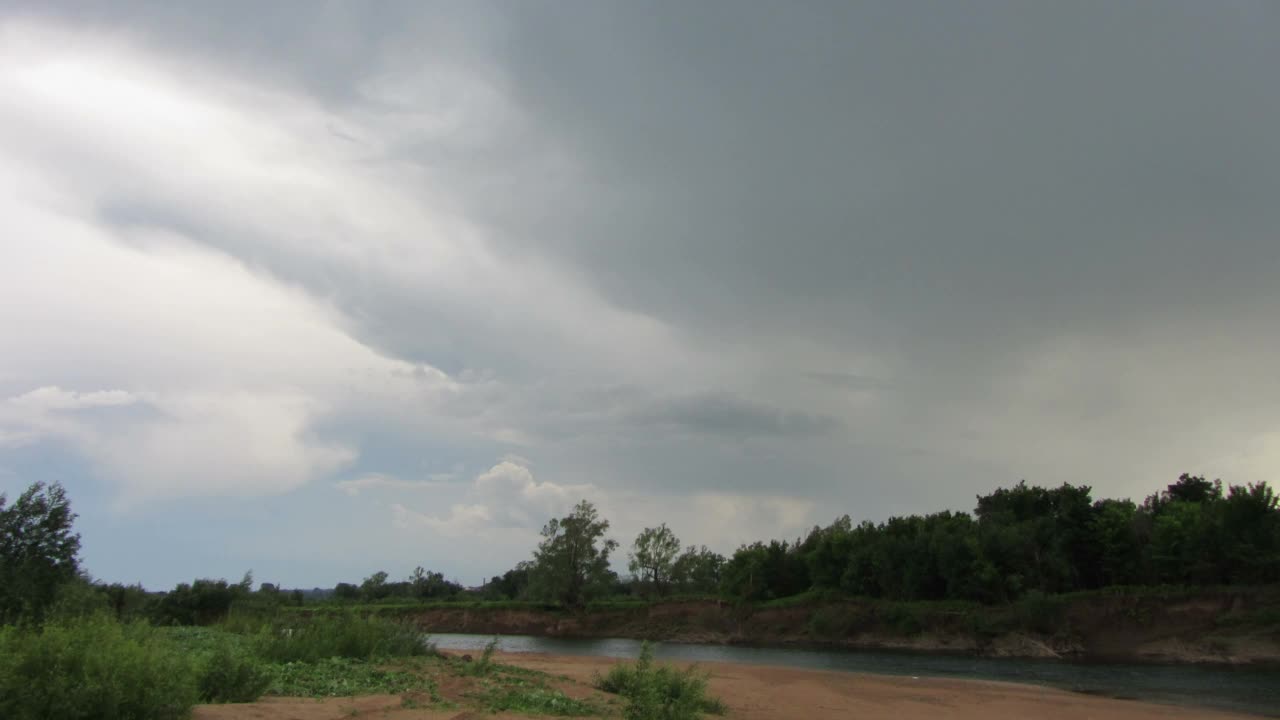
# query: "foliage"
x,y
530,696
1028,541
653,557
697,570
342,677
93,668
231,673
511,585
202,602
763,572
37,551
660,692
345,635
571,563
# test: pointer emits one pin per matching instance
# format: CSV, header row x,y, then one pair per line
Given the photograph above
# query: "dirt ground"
x,y
755,692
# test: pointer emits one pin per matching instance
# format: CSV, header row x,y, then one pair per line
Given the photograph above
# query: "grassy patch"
x,y
344,677
531,696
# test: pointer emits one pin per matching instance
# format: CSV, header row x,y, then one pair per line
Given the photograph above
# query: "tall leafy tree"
x,y
38,550
653,557
572,561
698,570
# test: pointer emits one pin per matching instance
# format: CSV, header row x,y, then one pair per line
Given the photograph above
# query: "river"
x,y
1244,689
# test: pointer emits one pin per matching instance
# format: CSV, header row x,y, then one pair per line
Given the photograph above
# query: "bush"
x,y
93,668
655,692
342,635
229,673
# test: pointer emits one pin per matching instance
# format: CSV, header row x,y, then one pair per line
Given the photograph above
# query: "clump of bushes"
x,y
230,673
94,667
343,635
660,692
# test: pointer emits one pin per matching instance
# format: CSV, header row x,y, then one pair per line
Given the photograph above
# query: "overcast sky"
x,y
319,289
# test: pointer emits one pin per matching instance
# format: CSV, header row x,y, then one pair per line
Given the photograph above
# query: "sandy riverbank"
x,y
755,692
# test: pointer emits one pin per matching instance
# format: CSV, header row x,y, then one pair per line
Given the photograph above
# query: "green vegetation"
x,y
571,564
1029,559
341,635
37,551
1020,542
1028,541
531,696
70,648
94,667
660,692
343,677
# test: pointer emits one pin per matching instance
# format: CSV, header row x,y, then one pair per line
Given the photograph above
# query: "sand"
x,y
755,692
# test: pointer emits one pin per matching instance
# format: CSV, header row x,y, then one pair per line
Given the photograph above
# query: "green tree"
x,y
1115,530
698,570
572,561
38,550
375,587
346,591
653,557
1251,527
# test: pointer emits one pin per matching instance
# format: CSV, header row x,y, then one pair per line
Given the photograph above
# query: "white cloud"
x,y
461,521
506,502
55,398
377,481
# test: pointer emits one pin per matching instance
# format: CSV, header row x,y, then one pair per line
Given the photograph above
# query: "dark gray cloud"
x,y
975,170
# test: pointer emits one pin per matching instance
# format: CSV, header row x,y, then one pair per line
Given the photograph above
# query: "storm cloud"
x,y
429,271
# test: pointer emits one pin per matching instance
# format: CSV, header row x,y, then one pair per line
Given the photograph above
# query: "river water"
x,y
1244,689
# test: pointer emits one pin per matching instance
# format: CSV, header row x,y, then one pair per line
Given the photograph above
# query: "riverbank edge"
x,y
905,688
1225,628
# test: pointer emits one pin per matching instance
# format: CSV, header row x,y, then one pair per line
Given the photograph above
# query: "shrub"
x,y
659,692
344,635
229,673
485,664
93,668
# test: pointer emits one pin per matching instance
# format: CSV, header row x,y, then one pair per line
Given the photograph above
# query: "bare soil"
x,y
756,692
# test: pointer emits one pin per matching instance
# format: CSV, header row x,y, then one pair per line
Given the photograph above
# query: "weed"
x,y
485,665
532,697
344,635
344,677
228,673
659,692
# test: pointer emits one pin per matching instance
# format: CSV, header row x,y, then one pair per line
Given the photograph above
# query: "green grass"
x,y
530,696
660,692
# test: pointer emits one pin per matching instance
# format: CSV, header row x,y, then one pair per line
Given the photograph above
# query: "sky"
x,y
318,289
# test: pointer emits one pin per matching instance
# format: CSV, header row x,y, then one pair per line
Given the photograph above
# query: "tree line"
x,y
1018,540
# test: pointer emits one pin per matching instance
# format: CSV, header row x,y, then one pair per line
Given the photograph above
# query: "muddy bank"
x,y
760,693
1221,627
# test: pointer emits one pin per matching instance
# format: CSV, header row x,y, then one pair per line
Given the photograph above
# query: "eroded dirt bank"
x,y
1221,627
